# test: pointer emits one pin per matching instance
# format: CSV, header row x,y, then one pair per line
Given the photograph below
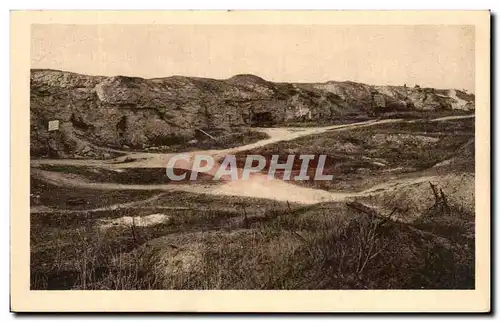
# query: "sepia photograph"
x,y
239,156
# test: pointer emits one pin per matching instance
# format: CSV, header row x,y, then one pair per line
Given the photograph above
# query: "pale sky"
x,y
429,55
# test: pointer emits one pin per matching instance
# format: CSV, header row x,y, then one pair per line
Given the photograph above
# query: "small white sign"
x,y
53,125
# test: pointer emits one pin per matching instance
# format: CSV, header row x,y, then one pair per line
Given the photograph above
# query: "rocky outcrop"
x,y
399,98
113,112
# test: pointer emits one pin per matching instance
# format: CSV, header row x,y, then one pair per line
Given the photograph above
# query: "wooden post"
x,y
206,134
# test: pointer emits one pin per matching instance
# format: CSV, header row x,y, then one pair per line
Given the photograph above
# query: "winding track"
x,y
257,186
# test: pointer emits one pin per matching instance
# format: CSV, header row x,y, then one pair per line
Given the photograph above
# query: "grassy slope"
x,y
247,245
363,157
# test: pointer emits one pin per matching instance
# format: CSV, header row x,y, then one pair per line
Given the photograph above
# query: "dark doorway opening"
x,y
262,119
121,126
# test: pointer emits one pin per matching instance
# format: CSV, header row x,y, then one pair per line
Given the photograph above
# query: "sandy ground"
x,y
257,186
139,221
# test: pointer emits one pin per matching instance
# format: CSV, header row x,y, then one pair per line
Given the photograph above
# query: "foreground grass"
x,y
280,246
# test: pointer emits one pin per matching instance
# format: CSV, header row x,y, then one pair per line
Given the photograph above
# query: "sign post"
x,y
53,125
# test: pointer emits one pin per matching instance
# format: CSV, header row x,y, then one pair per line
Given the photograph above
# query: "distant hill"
x,y
136,112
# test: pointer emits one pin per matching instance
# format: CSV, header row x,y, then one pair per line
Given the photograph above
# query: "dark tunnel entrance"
x,y
261,119
121,126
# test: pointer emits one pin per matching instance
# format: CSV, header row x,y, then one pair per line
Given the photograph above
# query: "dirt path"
x,y
449,118
159,160
257,186
133,204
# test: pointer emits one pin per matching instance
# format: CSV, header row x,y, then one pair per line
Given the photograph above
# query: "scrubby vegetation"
x,y
418,236
359,158
221,140
327,246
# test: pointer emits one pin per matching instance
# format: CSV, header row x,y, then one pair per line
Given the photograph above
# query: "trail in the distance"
x,y
257,186
160,160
